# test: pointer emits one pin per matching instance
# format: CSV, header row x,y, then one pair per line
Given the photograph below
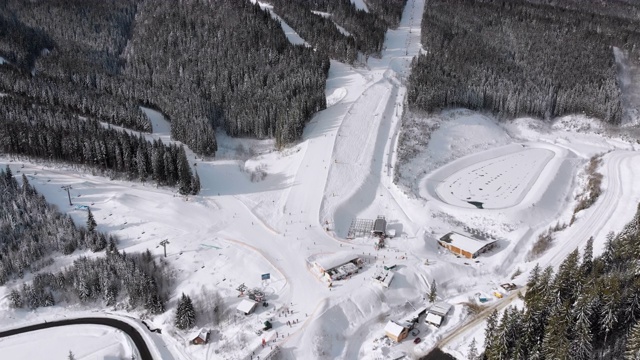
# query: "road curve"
x,y
480,317
133,333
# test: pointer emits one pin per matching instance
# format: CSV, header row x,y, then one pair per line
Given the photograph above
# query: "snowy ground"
x,y
343,168
84,341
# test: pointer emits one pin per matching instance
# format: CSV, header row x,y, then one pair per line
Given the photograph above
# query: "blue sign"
x,y
266,276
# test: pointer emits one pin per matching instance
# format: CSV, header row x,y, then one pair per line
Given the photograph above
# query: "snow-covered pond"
x,y
494,179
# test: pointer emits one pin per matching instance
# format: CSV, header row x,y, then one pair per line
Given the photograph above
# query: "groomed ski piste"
x,y
525,172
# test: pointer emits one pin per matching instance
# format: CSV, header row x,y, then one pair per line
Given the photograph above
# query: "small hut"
x,y
247,306
202,338
396,332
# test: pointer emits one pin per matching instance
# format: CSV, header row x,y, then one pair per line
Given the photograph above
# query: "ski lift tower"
x,y
68,187
164,243
242,288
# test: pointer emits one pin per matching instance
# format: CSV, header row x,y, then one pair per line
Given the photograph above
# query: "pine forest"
x,y
522,58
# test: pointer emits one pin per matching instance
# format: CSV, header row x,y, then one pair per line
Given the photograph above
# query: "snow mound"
x,y
336,96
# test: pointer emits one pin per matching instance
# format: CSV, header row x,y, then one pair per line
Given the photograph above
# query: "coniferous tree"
x,y
489,331
555,344
582,343
91,222
587,259
433,291
499,348
185,317
15,299
633,343
184,173
472,352
195,184
567,281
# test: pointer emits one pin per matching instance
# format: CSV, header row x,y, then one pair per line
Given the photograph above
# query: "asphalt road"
x,y
145,354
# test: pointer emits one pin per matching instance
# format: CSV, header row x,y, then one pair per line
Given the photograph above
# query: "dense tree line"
x,y
225,63
520,58
31,230
72,63
134,278
202,63
388,10
367,29
588,309
55,135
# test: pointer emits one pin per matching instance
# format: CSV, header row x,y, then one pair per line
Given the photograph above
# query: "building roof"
x,y
380,224
414,316
433,319
465,243
388,278
335,260
246,306
441,308
204,334
393,329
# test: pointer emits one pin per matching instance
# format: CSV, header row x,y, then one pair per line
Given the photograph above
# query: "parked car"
x,y
509,286
417,340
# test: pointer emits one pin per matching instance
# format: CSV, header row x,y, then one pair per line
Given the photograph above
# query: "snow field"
x,y
342,168
85,341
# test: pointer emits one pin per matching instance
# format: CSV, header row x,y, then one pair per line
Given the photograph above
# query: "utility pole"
x,y
68,187
164,245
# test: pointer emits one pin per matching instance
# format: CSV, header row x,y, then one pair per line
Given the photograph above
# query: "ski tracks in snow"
x,y
621,168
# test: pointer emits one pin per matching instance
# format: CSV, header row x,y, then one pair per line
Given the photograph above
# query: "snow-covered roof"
x,y
246,306
393,329
411,318
464,242
441,308
396,355
380,224
335,260
433,319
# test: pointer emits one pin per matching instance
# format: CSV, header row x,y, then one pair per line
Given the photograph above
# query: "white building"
x,y
247,306
464,245
437,313
384,278
338,266
396,332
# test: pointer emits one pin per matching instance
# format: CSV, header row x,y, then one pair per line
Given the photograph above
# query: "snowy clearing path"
x,y
620,170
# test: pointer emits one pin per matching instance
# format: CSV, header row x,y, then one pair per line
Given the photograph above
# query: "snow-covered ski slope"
x,y
238,229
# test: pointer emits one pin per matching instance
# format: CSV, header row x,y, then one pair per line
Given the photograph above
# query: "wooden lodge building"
x,y
464,245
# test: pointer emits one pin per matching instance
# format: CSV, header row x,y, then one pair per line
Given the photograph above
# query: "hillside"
x,y
522,58
105,61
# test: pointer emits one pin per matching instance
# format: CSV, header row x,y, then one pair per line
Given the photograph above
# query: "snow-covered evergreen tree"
x,y
195,184
91,222
15,299
433,291
184,172
185,317
633,343
472,351
489,331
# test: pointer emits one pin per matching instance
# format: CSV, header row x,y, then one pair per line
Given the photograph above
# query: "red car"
x,y
417,340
